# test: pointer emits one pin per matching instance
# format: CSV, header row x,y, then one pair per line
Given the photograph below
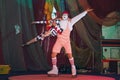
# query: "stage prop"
x,y
4,69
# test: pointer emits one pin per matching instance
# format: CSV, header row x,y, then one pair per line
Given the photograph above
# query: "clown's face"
x,y
65,16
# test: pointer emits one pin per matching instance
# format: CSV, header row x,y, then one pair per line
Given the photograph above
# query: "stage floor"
x,y
60,77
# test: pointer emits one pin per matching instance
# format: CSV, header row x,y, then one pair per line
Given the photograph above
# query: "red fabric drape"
x,y
101,8
1,55
38,6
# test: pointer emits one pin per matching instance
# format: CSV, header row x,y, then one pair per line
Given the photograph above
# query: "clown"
x,y
63,40
62,30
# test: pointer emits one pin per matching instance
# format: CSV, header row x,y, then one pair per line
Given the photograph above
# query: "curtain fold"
x,y
2,22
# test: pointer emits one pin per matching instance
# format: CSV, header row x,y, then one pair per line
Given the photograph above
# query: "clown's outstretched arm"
x,y
31,41
38,37
79,16
35,39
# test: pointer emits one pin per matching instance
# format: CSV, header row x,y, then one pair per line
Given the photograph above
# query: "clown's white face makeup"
x,y
65,16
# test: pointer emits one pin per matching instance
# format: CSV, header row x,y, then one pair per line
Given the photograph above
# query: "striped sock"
x,y
71,60
54,61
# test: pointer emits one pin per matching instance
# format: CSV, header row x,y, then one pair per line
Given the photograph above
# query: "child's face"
x,y
65,16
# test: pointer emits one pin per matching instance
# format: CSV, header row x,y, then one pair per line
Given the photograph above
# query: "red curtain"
x,y
1,55
103,7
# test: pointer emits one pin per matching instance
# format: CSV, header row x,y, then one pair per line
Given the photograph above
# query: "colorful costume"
x,y
63,40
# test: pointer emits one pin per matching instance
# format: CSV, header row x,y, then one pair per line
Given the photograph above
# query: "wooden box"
x,y
4,69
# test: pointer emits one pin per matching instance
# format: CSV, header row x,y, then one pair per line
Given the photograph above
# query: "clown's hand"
x,y
24,45
88,10
53,31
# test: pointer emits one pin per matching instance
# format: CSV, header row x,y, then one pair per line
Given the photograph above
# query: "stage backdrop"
x,y
15,25
15,28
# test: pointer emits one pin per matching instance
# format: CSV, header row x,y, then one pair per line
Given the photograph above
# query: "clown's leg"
x,y
73,68
54,70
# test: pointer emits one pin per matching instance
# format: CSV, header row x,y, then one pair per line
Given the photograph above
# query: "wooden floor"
x,y
60,77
